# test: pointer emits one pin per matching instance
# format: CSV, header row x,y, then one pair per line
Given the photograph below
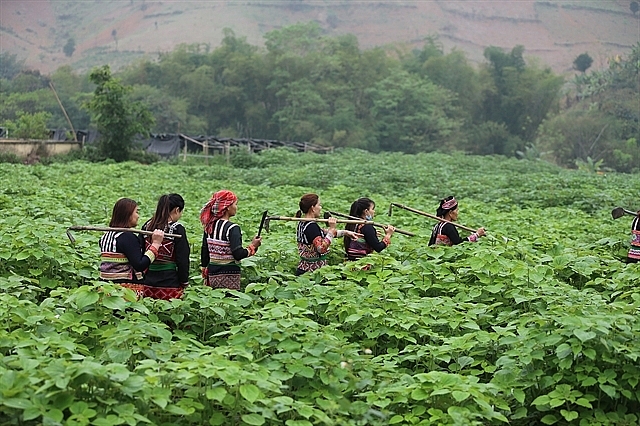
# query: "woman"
x,y
168,275
222,248
313,242
446,233
364,208
121,252
634,251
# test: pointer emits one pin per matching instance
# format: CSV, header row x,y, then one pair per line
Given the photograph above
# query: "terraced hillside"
x,y
118,32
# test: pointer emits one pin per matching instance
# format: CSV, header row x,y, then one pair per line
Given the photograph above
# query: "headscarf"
x,y
215,208
450,204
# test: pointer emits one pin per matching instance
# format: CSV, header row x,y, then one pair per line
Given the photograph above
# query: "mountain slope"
x,y
119,32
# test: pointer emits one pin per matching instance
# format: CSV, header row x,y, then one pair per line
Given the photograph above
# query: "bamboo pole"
x,y
75,138
402,206
107,228
379,225
313,219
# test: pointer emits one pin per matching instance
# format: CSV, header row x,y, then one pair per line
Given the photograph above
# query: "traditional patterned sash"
x,y
441,239
114,265
219,245
358,248
310,259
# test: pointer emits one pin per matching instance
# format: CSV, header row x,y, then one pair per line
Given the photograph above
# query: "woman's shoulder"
x,y
448,227
310,226
126,237
176,228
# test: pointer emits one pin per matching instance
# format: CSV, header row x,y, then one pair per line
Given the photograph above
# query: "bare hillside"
x,y
119,32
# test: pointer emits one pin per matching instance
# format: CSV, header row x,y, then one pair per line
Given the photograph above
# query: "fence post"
x,y
184,152
227,152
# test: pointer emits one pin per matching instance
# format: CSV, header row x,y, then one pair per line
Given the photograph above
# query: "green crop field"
x,y
537,323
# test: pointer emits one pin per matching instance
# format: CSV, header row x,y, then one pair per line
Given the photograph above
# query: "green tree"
x,y
16,103
582,62
520,96
634,7
10,66
69,47
117,118
29,125
170,114
412,115
298,119
603,125
415,61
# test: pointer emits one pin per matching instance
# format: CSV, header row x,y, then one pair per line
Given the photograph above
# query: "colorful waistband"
x,y
169,266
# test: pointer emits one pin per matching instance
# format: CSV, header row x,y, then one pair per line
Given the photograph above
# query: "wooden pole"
x,y
184,152
402,206
379,225
313,219
107,228
75,138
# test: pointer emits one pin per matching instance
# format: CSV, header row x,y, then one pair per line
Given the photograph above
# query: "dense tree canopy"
x,y
582,62
308,87
117,118
604,124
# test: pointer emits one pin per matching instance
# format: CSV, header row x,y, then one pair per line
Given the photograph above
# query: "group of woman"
x,y
163,255
157,265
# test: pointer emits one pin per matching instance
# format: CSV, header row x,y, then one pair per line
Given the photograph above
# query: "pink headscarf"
x,y
215,208
450,205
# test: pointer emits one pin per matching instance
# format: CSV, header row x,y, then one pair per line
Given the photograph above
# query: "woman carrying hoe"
x,y
122,259
446,233
222,248
314,242
364,208
168,275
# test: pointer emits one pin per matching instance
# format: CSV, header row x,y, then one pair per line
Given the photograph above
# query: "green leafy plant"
x,y
539,329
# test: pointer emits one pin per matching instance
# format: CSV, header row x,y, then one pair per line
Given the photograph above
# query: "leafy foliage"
x,y
29,126
69,47
118,119
582,62
603,124
539,329
305,86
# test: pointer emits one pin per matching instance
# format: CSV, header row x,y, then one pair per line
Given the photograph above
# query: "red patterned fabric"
x,y
138,289
230,281
215,208
164,293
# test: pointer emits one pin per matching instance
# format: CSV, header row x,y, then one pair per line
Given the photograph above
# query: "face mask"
x,y
368,217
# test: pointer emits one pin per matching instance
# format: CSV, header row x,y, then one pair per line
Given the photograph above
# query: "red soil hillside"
x,y
121,31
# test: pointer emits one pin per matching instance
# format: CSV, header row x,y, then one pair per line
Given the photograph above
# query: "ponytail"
x,y
306,202
166,204
357,208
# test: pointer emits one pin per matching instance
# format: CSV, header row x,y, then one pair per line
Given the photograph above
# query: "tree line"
x,y
303,86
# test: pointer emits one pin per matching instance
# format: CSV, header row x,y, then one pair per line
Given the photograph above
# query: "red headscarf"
x,y
215,208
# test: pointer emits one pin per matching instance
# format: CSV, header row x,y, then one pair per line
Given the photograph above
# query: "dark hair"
x,y
122,211
357,208
306,202
441,212
166,204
